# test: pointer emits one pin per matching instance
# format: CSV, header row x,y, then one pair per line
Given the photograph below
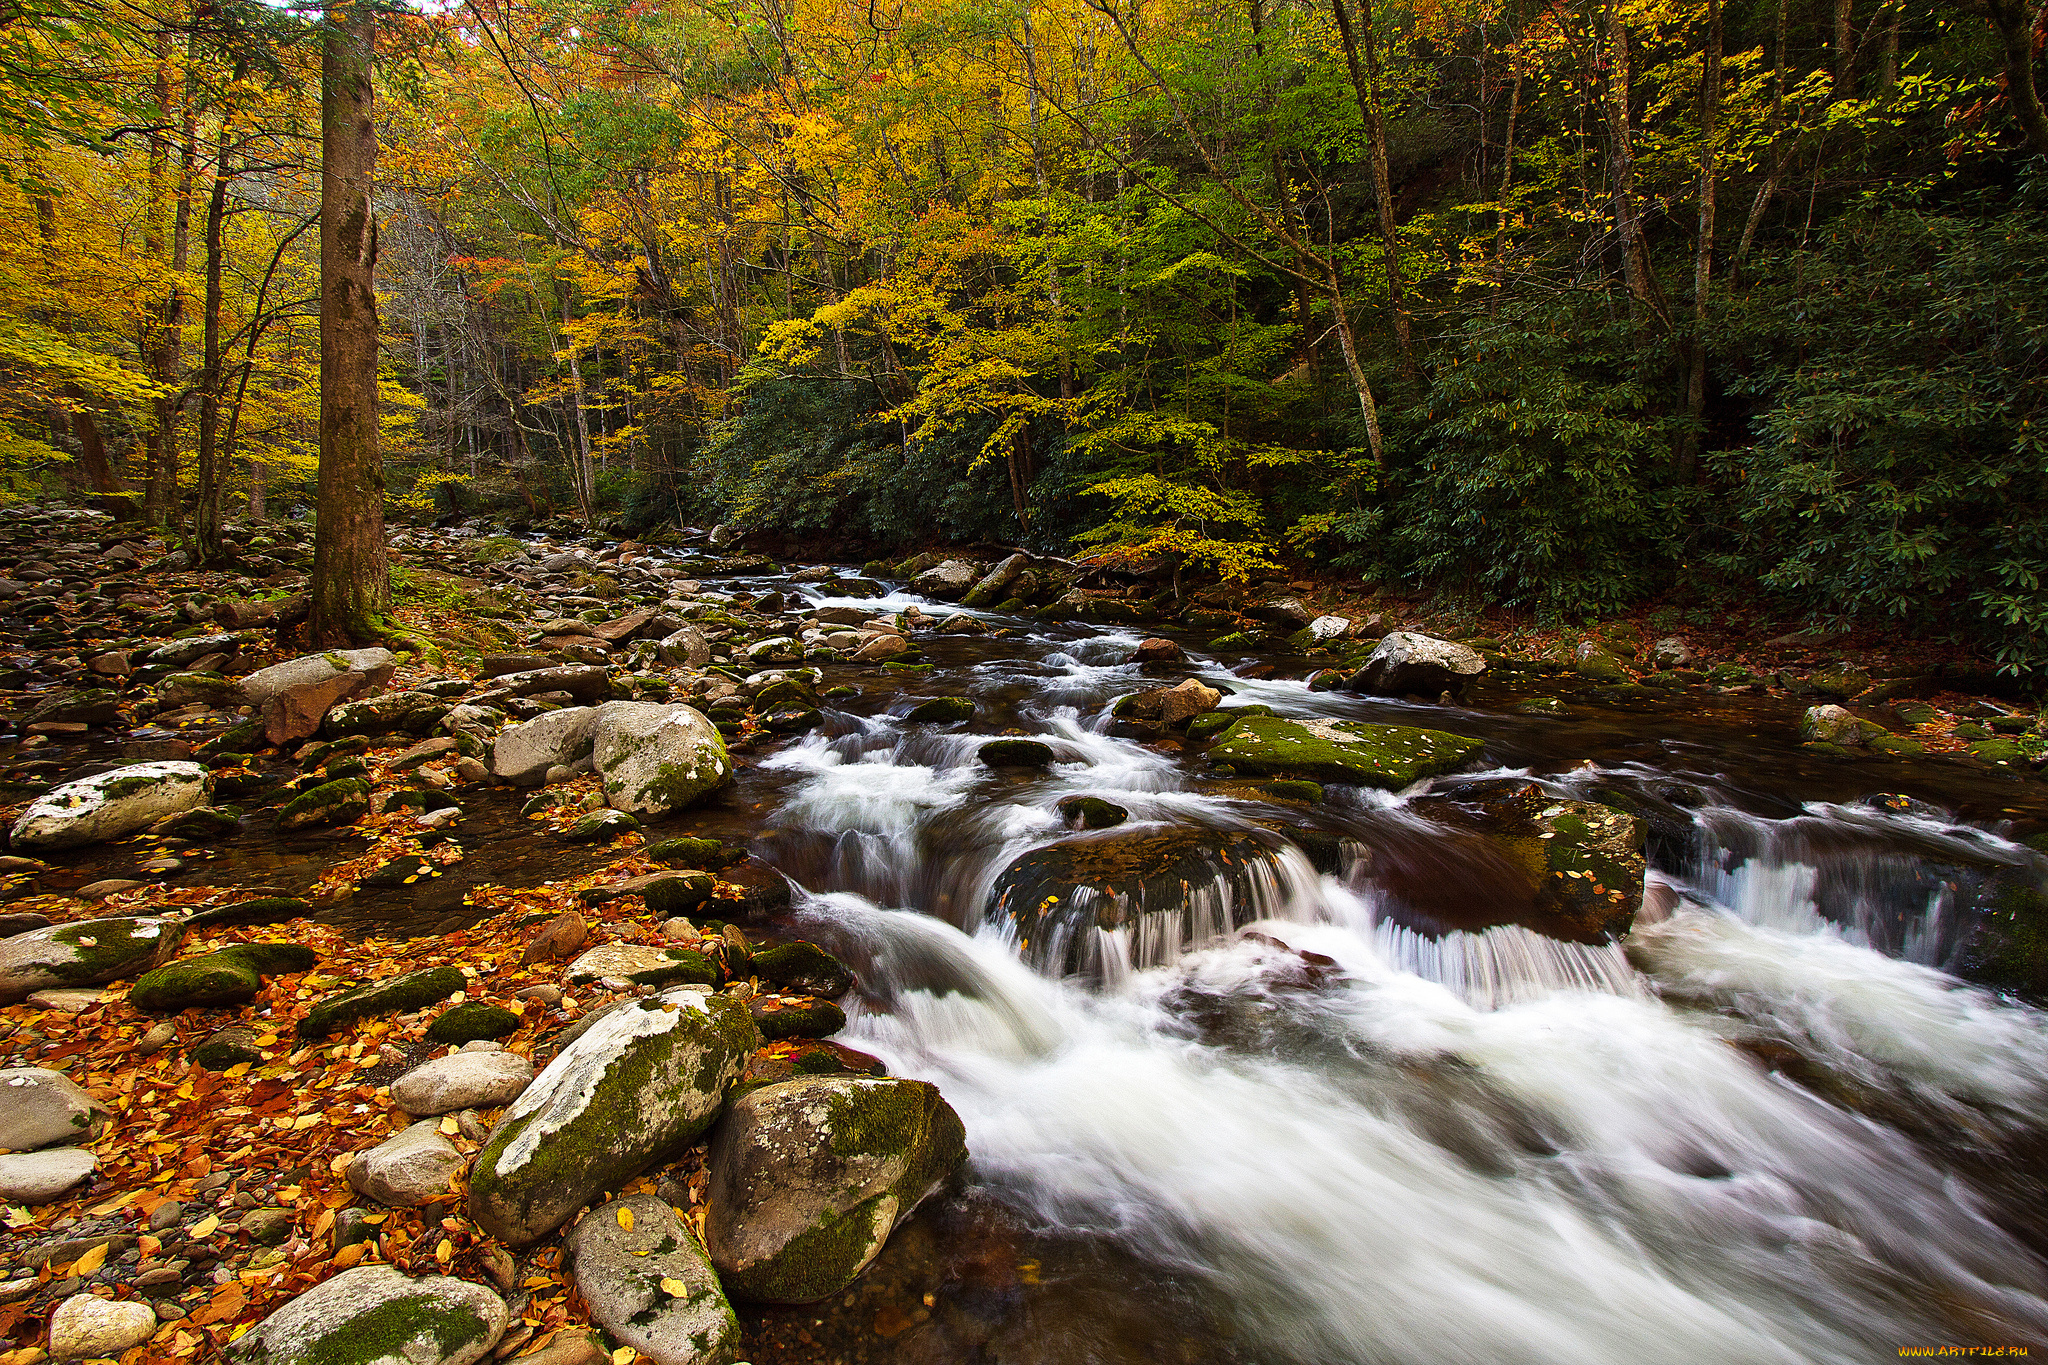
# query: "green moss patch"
x,y
414,990
1389,756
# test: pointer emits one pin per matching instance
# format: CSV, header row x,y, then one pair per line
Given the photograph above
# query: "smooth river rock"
x,y
109,805
433,1320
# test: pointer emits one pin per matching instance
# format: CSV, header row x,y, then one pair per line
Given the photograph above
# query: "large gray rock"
x,y
39,1177
809,1177
639,1082
686,647
377,1316
407,1170
1830,724
522,754
43,1108
657,758
1408,663
376,666
950,580
111,804
83,953
630,1279
994,587
88,1327
462,1080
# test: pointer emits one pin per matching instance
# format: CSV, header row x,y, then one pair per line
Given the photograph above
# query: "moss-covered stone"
x,y
316,755
601,826
229,1047
708,854
1540,706
414,990
780,1016
260,910
1390,756
668,897
942,711
1311,792
471,1020
1210,724
331,803
230,976
803,967
1016,753
1091,812
205,822
84,953
374,1315
243,737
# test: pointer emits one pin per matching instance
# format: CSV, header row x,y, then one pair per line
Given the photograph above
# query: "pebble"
x,y
163,1274
16,1289
166,1215
546,995
67,1001
85,1327
159,1036
111,886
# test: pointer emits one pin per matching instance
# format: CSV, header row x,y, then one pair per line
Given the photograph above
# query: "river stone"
x,y
1081,905
414,990
40,1177
376,666
994,586
473,1021
880,648
1172,706
803,967
949,581
1329,627
409,1169
228,977
640,1082
657,758
1016,753
110,805
88,1327
642,965
1592,660
83,953
1373,755
341,802
1830,724
809,1177
585,683
1407,663
1671,652
462,1080
687,647
410,712
374,1315
629,1279
522,754
44,1108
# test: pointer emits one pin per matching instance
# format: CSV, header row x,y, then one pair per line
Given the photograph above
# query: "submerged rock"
x,y
1389,756
640,1081
649,1282
376,1314
809,1177
110,805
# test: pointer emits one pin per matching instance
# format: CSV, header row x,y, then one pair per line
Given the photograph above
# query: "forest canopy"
x,y
1567,306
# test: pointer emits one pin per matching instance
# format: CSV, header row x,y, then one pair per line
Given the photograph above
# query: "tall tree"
x,y
351,587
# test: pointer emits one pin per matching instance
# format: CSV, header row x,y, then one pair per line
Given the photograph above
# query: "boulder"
x,y
473,1020
88,1327
1156,651
340,802
1091,812
1406,663
656,758
44,1176
1361,752
1170,707
1329,627
649,1283
881,648
803,967
1016,753
231,976
462,1080
641,1081
374,1313
83,953
942,711
82,706
414,1167
686,647
1670,652
205,689
1831,724
642,965
995,585
44,1108
414,990
297,712
949,581
560,937
809,1177
1592,660
393,712
1289,613
374,665
801,1016
110,805
585,683
522,754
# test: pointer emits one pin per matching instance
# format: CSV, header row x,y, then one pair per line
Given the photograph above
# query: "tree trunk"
x,y
1703,249
206,519
1365,83
1643,289
351,574
2016,22
160,500
92,448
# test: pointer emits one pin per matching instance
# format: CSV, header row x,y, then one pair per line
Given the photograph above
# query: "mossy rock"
x,y
1999,753
601,826
344,767
1091,812
668,897
1730,675
1389,756
204,822
1211,723
1016,753
240,738
643,965
375,1315
414,990
1541,706
1915,712
316,755
2010,949
1237,639
804,967
229,1047
779,1017
471,1020
330,803
231,976
261,910
709,854
84,953
942,711
1896,746
1311,792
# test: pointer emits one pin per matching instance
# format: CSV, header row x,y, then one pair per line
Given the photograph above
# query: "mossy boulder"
x,y
230,976
1362,752
942,711
1091,812
205,822
1310,792
331,803
657,758
375,1315
795,1016
642,965
809,1177
260,910
600,826
649,1283
471,1020
643,1080
84,953
110,805
1016,753
677,894
234,1046
1210,724
803,967
413,713
414,990
1592,660
709,854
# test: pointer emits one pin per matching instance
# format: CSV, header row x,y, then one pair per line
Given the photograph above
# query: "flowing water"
x,y
1313,1123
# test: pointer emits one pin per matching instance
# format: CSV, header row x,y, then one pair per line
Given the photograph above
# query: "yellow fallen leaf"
x,y
625,1355
445,1252
674,1288
625,1222
91,1261
205,1226
450,1126
350,1254
235,1072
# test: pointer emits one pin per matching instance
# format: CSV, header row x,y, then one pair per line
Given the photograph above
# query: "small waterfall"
x,y
1507,964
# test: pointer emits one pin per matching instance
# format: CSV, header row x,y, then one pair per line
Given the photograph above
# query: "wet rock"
x,y
1170,707
22,922
110,805
86,706
43,1176
1091,812
473,1020
780,1017
1670,652
650,1284
522,754
1406,663
83,953
1592,660
433,1320
44,1108
375,666
686,647
87,1327
656,759
693,852
809,1177
266,1227
585,683
410,1169
942,711
994,586
642,964
1831,724
407,712
1388,756
68,1001
600,826
414,990
230,976
804,967
1329,628
561,937
642,1081
1289,613
341,802
1015,753
881,648
462,1080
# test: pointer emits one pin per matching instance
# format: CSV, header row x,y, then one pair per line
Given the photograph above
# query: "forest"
x,y
1562,307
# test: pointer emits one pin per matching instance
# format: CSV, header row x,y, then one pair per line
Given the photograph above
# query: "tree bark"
x,y
1365,84
1703,249
1643,289
206,518
351,584
160,498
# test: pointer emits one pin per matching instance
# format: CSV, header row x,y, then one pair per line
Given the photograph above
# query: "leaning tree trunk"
x,y
351,586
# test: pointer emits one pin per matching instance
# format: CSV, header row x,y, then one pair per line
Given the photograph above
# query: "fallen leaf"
x,y
92,1260
674,1288
205,1226
625,1223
